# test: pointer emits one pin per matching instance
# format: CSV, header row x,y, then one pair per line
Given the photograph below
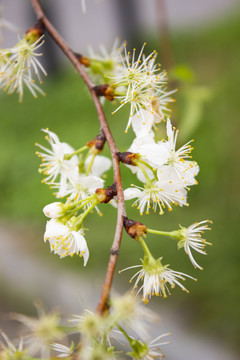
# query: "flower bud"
x,y
128,157
83,59
134,228
105,195
105,90
34,32
54,210
97,144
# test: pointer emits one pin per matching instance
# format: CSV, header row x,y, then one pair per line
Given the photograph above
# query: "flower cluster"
x,y
130,79
125,322
77,178
18,64
142,84
166,172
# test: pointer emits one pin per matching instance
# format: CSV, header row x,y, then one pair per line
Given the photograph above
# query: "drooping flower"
x,y
157,278
144,85
22,62
79,187
156,194
191,239
91,325
53,162
179,167
147,351
65,241
130,312
42,331
157,282
63,350
104,64
8,351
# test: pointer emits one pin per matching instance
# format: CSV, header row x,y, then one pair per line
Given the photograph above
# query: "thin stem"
x,y
149,166
124,332
85,202
79,221
143,171
165,233
113,149
145,248
69,156
90,164
176,234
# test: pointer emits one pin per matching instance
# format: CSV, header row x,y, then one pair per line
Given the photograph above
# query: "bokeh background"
x,y
199,44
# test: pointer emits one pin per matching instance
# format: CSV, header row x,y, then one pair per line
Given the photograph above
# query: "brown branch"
x,y
112,145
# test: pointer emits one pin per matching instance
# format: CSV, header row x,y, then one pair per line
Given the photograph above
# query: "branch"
x,y
112,145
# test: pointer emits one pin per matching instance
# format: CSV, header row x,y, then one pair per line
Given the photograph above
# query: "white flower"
x,y
184,169
142,125
191,238
42,331
64,350
9,351
79,187
22,62
130,312
64,241
148,351
105,64
156,194
156,278
153,348
172,164
53,162
144,83
54,210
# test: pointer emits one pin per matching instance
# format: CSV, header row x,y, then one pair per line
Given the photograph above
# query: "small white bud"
x,y
54,210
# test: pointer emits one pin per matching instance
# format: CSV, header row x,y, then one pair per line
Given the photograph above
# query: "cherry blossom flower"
x,y
144,83
156,279
156,195
65,241
53,162
42,331
9,351
19,68
63,350
148,351
191,239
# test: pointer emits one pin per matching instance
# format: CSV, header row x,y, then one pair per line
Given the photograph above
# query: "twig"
x,y
112,145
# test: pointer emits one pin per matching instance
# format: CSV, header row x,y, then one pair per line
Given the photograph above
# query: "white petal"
x,y
132,193
91,183
142,123
100,165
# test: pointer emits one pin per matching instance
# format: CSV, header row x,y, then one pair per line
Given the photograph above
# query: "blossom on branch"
x,y
147,351
64,240
156,194
191,239
142,85
53,160
19,63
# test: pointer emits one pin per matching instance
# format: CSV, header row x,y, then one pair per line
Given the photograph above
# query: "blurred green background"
x,y
207,109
